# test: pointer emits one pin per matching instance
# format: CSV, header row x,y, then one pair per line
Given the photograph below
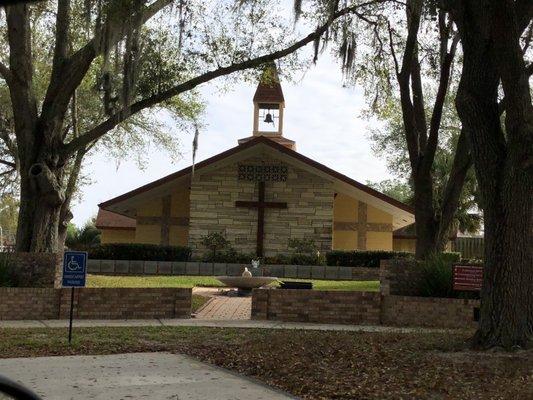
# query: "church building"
x,y
258,194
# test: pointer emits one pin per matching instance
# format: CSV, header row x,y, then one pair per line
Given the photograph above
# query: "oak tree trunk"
x,y
506,186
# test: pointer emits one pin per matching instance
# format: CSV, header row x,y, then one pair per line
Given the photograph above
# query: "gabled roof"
x,y
269,89
110,220
254,142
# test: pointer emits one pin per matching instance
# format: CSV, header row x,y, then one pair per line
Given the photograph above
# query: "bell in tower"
x,y
269,104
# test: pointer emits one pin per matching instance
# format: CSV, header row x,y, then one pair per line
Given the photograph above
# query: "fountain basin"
x,y
246,282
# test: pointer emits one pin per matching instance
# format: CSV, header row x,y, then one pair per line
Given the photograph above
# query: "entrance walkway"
x,y
155,376
226,308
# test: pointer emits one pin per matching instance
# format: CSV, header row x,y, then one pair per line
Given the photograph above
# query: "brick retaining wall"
x,y
339,307
349,307
399,277
29,303
125,267
95,303
428,311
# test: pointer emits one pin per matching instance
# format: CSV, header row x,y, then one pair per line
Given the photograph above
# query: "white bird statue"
x,y
246,273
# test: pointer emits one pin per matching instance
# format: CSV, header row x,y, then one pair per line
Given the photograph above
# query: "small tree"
x,y
87,236
303,246
215,241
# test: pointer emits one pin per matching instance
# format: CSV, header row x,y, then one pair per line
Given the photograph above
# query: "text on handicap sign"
x,y
74,268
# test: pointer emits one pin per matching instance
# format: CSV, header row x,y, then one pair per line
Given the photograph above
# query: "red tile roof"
x,y
269,89
269,93
110,220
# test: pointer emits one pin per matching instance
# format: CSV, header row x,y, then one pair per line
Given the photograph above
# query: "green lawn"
x,y
208,281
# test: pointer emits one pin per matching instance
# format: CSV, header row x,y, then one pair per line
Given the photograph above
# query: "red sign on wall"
x,y
467,277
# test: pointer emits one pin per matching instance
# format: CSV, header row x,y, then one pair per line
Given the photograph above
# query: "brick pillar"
x,y
260,304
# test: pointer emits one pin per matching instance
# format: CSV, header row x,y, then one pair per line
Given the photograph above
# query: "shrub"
x,y
294,259
85,237
143,252
215,241
303,246
357,258
229,255
451,256
436,278
8,275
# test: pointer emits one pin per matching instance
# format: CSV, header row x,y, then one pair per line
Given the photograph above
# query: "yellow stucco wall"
x,y
149,234
345,209
179,207
117,236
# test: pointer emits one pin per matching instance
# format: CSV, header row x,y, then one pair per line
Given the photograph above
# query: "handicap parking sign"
x,y
74,268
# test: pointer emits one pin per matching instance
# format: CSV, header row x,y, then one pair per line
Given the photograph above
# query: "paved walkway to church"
x,y
87,323
226,308
133,376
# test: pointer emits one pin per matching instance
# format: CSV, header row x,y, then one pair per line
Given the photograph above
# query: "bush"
x,y
215,242
357,258
451,256
85,237
229,255
303,246
294,259
142,252
8,275
437,278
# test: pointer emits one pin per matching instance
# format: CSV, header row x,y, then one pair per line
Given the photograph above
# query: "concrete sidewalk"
x,y
213,323
133,376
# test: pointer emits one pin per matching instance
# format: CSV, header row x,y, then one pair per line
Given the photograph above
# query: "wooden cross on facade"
x,y
261,205
165,221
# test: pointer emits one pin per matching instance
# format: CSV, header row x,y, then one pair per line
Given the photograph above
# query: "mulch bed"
x,y
313,364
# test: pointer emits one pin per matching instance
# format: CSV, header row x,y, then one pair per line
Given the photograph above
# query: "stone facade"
x,y
309,212
95,303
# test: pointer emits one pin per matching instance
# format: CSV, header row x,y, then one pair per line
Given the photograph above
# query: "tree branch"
x,y
61,40
101,129
76,66
393,52
10,171
8,163
440,99
21,67
6,74
454,185
524,13
413,11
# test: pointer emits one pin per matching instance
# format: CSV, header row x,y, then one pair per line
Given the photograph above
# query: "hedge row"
x,y
360,258
143,252
149,252
371,259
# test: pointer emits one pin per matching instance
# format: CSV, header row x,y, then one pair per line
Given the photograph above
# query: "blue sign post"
x,y
74,275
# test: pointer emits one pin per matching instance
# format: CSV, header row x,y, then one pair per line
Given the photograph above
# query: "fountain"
x,y
247,281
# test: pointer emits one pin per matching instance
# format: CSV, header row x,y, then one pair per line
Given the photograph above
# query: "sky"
x,y
322,116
